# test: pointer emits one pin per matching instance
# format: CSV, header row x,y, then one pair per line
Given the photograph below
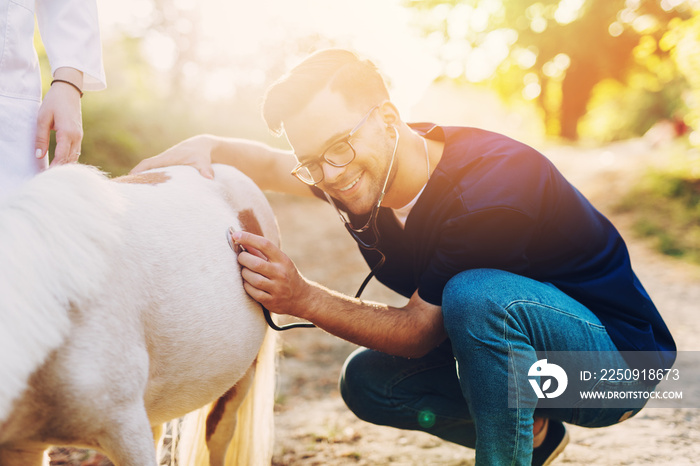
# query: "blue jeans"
x,y
460,391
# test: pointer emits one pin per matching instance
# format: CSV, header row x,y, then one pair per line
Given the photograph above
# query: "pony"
x,y
122,307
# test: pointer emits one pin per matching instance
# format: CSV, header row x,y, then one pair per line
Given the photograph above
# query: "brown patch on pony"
x,y
144,178
218,410
249,222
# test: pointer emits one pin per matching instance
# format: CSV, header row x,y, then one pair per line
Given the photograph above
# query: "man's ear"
x,y
389,113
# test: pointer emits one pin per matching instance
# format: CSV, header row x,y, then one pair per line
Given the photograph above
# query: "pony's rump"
x,y
53,233
122,303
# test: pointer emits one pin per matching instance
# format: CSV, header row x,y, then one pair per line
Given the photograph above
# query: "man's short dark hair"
x,y
358,80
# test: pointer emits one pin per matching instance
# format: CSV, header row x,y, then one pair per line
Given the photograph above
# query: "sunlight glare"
x,y
645,24
185,4
492,7
562,60
694,139
525,58
243,37
480,65
216,84
479,21
568,11
481,62
616,29
458,21
160,50
669,5
130,16
454,69
378,30
532,91
538,24
532,88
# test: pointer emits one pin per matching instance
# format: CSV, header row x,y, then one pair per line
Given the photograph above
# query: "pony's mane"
x,y
61,220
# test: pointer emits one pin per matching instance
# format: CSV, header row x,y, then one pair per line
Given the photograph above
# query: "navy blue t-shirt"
x,y
495,203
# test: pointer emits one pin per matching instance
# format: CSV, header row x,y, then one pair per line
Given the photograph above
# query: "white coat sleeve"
x,y
71,35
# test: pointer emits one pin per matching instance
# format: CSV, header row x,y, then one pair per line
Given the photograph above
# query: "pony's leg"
x,y
129,439
222,419
21,456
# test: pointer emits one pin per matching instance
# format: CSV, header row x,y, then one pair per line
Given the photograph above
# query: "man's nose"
x,y
331,173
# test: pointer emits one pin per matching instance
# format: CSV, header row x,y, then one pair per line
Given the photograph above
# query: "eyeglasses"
x,y
338,154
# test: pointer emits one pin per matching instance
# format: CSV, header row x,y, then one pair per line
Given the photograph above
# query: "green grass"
x,y
665,205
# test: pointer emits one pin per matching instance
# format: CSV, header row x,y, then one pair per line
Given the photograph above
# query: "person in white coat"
x,y
70,33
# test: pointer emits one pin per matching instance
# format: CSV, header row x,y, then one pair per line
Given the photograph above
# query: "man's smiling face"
x,y
327,119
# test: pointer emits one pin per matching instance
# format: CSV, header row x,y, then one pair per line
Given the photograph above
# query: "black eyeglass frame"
x,y
322,158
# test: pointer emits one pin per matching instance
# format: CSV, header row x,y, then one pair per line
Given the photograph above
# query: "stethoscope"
x,y
371,222
355,233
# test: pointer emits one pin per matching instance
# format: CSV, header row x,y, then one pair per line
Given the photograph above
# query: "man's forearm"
x,y
271,278
411,331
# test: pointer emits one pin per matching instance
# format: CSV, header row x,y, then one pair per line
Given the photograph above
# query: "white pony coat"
x,y
122,307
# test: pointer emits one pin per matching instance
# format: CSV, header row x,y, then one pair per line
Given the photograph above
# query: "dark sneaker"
x,y
554,443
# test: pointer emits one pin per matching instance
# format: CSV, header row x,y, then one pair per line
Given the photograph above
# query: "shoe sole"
x,y
560,448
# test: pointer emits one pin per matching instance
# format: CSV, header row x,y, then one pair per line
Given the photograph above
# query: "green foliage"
x,y
683,42
618,111
666,206
119,132
556,52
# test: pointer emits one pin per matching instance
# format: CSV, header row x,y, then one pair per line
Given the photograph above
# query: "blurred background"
x,y
574,73
608,89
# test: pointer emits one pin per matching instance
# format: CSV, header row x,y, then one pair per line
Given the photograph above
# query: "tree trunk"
x,y
577,88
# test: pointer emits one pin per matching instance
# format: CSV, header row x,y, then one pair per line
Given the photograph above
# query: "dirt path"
x,y
313,427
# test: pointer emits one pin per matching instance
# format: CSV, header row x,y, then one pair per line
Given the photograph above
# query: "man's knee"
x,y
354,383
471,296
349,378
477,284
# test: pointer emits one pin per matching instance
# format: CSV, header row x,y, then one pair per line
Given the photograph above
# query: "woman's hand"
x,y
195,152
60,111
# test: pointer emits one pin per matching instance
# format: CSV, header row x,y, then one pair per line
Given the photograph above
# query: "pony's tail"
x,y
253,440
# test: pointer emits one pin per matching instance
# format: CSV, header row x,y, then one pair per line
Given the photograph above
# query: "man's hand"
x,y
195,151
269,276
272,279
60,111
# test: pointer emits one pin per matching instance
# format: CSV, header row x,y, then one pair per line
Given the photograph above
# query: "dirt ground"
x,y
313,426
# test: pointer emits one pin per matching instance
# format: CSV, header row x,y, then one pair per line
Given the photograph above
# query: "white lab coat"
x,y
70,33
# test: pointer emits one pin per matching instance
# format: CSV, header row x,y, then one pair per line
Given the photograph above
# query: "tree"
x,y
682,41
559,48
